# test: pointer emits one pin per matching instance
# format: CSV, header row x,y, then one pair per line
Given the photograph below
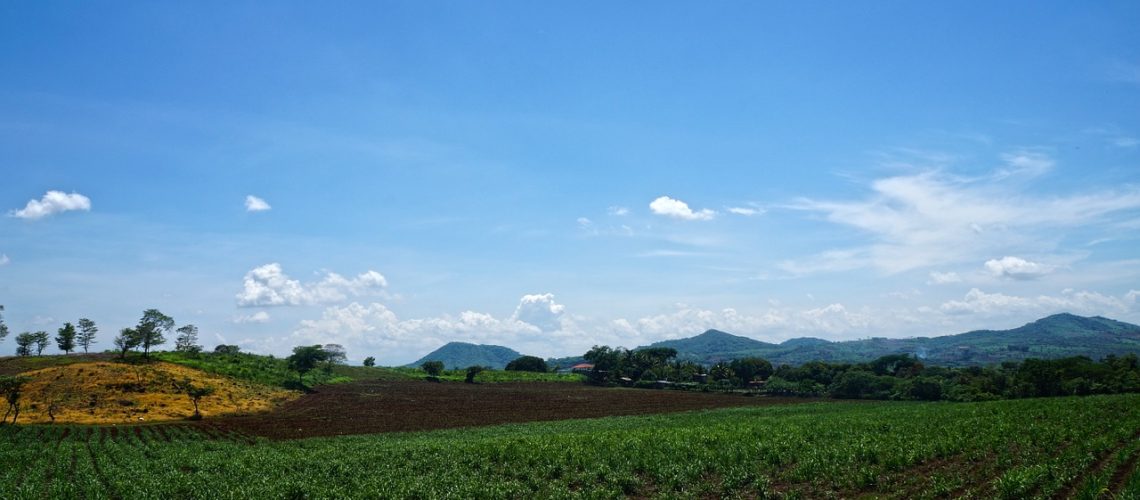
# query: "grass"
x,y
1002,449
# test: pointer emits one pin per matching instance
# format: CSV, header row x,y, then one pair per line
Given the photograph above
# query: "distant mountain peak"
x,y
464,354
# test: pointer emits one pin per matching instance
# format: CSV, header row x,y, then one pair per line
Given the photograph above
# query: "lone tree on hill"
x,y
24,343
433,368
370,361
305,358
66,338
336,356
527,364
10,388
187,340
86,336
128,339
196,394
150,329
3,327
42,340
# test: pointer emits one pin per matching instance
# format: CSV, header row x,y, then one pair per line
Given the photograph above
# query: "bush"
x,y
527,364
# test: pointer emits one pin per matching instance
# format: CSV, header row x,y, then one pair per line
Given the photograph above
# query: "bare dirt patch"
x,y
375,406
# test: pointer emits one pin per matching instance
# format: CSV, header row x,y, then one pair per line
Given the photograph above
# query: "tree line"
x,y
150,331
895,376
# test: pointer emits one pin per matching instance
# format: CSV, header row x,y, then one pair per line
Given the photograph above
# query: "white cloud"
x,y
618,211
53,202
1079,302
678,209
584,222
931,219
1016,268
1126,142
4,260
745,211
937,278
257,317
541,311
255,204
1027,163
268,285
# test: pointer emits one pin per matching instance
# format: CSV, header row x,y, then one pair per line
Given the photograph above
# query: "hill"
x,y
461,355
1055,336
106,392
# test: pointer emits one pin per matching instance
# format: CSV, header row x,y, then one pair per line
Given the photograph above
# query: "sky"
x,y
392,176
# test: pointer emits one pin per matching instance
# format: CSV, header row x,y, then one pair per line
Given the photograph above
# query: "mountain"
x,y
1056,336
715,345
461,355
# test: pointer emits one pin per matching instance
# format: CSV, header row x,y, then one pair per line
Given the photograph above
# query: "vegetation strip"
x,y
810,450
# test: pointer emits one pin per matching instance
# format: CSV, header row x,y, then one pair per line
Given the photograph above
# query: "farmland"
x,y
1067,447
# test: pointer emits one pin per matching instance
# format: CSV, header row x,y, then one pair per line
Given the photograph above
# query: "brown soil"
x,y
375,406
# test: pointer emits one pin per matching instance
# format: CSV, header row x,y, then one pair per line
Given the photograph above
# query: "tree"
x,y
10,387
187,340
150,329
3,327
87,331
42,340
336,356
527,364
433,368
370,361
196,393
66,338
472,371
128,339
305,359
227,349
747,369
24,343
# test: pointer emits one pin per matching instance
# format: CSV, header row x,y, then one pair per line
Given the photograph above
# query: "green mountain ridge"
x,y
462,354
1056,336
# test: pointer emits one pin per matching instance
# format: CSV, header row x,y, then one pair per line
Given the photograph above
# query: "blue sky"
x,y
550,177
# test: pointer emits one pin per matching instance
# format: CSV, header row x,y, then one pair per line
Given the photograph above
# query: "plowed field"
x,y
392,406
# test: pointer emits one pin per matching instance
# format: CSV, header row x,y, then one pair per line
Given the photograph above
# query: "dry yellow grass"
x,y
105,393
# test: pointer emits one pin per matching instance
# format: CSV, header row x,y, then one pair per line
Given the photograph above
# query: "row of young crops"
x,y
1012,449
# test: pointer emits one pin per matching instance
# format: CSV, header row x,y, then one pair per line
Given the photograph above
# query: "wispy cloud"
x,y
937,278
255,204
4,260
618,211
678,209
53,202
931,219
257,317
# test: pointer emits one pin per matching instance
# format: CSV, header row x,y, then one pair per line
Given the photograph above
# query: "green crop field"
x,y
1071,447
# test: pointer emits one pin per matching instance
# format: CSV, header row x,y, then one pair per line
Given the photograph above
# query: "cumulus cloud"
x,y
255,204
53,202
541,311
373,328
937,278
931,219
678,209
257,317
1016,268
268,285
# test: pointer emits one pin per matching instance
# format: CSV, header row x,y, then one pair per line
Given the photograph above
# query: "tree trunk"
x,y
196,414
